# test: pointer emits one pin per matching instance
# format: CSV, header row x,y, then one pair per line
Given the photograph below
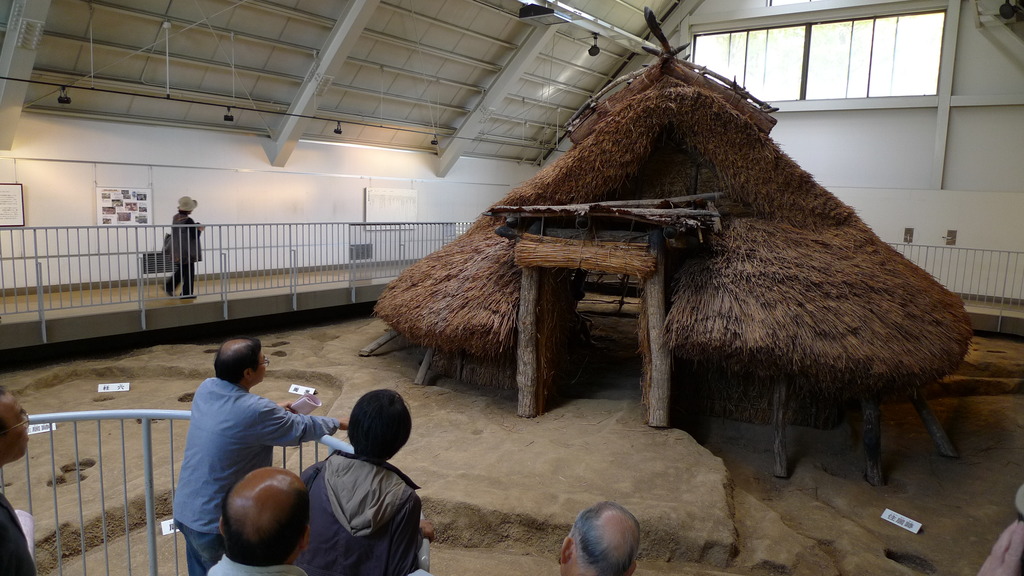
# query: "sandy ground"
x,y
504,490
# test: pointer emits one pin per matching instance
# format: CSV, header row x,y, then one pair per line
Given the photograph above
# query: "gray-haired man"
x,y
604,541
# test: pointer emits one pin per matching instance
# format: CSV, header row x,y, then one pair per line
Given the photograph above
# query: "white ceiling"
x,y
394,73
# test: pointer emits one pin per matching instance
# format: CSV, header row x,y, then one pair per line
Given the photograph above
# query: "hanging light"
x,y
229,117
337,129
63,97
434,141
595,49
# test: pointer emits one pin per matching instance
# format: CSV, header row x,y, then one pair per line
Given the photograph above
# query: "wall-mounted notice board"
x,y
123,206
12,205
390,205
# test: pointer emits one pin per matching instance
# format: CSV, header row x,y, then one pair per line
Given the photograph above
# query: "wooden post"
x,y
779,422
931,423
660,357
526,348
872,441
388,337
421,376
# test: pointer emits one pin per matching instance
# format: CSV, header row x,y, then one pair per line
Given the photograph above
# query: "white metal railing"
x,y
47,269
992,278
108,482
43,269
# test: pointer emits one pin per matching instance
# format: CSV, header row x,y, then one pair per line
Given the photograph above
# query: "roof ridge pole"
x,y
660,357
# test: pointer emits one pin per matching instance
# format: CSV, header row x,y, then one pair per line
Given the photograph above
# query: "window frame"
x,y
809,18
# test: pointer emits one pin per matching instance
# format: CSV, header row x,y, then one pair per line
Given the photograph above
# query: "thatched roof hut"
x,y
795,288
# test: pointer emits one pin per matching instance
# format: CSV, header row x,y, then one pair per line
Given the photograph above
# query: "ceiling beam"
x,y
17,57
331,57
470,128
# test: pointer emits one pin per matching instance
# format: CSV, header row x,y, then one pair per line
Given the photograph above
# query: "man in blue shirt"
x,y
232,433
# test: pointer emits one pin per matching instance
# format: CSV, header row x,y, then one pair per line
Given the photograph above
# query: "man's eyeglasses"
x,y
24,422
266,361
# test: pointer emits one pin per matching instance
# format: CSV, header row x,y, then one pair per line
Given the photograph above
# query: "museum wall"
x,y
61,161
901,162
886,156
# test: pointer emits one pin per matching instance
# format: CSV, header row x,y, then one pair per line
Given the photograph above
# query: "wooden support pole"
x,y
779,424
942,443
872,441
388,337
526,348
660,355
421,376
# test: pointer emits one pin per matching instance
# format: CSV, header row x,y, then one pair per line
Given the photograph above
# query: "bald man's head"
x,y
604,541
265,518
236,356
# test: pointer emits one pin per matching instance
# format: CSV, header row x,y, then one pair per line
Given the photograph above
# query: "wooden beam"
x,y
931,423
421,376
387,337
660,355
779,424
611,203
526,348
872,441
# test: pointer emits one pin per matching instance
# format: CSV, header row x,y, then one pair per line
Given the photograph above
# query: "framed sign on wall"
x,y
390,205
12,205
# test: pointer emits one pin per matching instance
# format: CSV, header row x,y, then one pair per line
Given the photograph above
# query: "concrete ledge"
x,y
124,320
996,320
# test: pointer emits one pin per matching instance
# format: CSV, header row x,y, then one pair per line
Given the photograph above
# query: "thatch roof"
x,y
796,286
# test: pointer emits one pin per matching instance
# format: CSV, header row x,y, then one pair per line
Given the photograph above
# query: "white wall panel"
x,y
61,161
984,149
861,148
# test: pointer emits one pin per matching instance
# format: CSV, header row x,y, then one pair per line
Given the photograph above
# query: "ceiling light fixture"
x,y
337,130
434,141
542,15
229,117
63,97
595,49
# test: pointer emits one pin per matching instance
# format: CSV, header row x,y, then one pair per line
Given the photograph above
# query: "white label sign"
x,y
901,521
300,390
117,387
40,428
168,527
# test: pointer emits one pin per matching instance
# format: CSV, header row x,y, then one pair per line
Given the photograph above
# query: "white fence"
x,y
993,278
106,479
58,268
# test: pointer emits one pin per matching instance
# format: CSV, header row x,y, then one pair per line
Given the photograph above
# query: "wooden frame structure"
x,y
623,237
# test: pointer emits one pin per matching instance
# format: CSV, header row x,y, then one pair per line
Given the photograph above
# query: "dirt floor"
x,y
503,490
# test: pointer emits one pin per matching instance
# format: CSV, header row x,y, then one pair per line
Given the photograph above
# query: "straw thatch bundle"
x,y
609,257
833,309
796,288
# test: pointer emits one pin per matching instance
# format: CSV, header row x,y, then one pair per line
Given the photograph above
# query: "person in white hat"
x,y
185,249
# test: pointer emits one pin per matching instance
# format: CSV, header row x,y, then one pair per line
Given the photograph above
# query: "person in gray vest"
x,y
364,512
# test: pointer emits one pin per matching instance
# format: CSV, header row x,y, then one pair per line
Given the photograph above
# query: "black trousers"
x,y
184,274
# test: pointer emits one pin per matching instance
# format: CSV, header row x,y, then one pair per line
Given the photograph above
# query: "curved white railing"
x,y
107,478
